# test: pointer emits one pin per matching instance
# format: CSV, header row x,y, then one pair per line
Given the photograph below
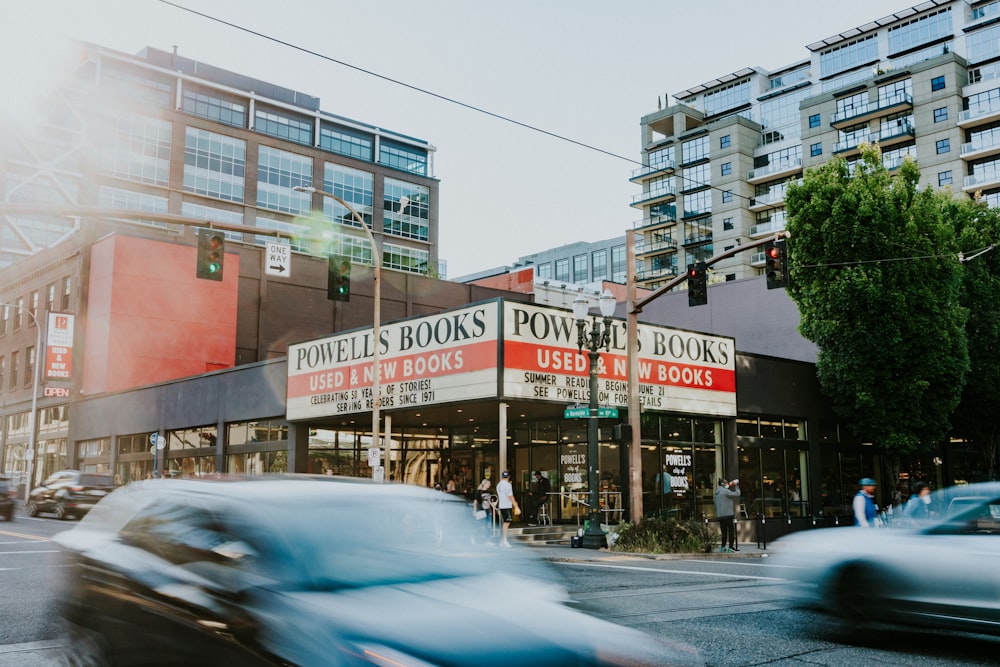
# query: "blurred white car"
x,y
941,572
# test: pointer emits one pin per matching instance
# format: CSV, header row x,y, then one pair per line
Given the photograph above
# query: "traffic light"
x,y
338,284
776,264
211,254
622,433
697,284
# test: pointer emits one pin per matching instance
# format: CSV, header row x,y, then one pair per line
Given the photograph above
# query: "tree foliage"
x,y
977,418
876,277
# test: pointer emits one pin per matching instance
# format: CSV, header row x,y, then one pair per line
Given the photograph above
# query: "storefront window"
x,y
338,453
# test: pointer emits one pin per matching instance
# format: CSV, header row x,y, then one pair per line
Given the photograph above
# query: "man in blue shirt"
x,y
864,504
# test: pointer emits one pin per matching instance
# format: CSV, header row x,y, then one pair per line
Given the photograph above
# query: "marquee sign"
x,y
501,349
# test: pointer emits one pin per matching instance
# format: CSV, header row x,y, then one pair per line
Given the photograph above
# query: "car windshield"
x,y
948,504
370,541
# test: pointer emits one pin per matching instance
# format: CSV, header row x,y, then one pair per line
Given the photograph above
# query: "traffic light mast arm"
x,y
677,280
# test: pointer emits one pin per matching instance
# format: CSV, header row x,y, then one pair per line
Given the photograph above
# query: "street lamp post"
x,y
599,336
30,455
376,321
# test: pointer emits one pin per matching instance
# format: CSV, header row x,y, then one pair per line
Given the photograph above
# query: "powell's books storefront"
x,y
453,381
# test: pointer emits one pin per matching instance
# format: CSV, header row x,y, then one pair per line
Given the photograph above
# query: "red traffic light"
x,y
773,252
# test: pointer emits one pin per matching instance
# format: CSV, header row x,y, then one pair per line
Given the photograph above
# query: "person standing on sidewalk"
x,y
507,504
863,504
726,497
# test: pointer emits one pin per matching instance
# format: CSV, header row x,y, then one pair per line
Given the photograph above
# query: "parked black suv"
x,y
6,499
68,493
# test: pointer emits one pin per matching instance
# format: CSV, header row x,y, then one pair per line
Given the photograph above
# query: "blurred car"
x,y
68,493
942,572
311,571
7,491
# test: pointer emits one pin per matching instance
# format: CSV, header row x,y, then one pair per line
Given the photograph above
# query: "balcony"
x,y
644,274
757,258
653,222
988,179
648,171
653,196
657,243
767,228
775,170
871,111
980,114
897,133
980,147
772,198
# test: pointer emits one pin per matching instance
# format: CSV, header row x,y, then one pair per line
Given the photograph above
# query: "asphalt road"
x,y
738,613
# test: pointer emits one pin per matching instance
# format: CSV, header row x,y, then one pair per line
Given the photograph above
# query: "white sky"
x,y
586,69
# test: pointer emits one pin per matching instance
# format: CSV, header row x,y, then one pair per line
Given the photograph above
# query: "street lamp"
x,y
377,315
30,455
599,336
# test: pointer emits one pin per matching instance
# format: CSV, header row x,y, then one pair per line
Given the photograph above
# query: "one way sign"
x,y
278,259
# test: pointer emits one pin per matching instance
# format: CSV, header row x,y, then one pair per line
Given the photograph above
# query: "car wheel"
x,y
859,592
31,509
60,511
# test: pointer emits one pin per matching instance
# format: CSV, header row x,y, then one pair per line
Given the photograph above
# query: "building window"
x,y
618,264
942,146
3,370
401,156
136,201
50,298
346,142
278,174
727,224
18,312
138,149
562,270
34,307
727,196
727,168
354,186
944,178
406,208
816,149
599,264
283,127
937,83
814,120
545,270
67,292
580,269
213,106
214,164
15,360
724,141
694,150
4,316
940,114
411,260
29,368
201,212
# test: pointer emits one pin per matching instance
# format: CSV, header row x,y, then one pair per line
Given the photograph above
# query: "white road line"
x,y
36,551
652,569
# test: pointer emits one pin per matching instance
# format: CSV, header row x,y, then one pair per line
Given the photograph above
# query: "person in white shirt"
x,y
506,504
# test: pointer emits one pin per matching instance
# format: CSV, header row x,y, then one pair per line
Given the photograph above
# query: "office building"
x,y
923,82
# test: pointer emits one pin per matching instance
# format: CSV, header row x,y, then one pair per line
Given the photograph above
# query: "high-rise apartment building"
x,y
163,133
923,82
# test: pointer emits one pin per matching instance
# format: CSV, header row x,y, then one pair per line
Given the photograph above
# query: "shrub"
x,y
664,536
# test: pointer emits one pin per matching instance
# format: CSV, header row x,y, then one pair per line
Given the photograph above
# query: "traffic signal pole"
x,y
634,306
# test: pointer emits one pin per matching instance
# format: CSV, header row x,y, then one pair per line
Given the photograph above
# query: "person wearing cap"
x,y
864,504
538,496
726,496
506,504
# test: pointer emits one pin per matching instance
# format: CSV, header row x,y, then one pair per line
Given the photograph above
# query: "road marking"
x,y
32,646
26,536
653,569
36,551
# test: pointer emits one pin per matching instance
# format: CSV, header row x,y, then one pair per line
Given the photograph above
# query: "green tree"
x,y
876,277
977,417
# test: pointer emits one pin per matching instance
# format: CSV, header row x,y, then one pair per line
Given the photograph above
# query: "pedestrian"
x,y
483,507
864,507
451,484
919,507
538,497
726,496
507,505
